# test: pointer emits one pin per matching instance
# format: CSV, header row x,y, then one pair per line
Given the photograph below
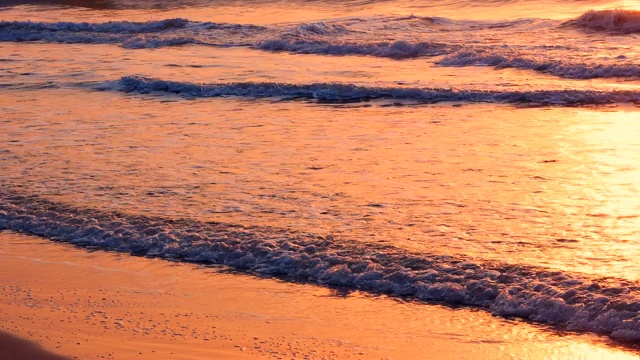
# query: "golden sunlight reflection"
x,y
614,187
483,155
579,350
596,191
629,4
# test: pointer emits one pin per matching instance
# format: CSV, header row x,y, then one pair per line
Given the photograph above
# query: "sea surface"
x,y
468,153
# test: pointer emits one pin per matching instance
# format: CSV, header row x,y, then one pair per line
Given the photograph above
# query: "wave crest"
x,y
338,93
394,50
617,21
551,67
111,27
151,34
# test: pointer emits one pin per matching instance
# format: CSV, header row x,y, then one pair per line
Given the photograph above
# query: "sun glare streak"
x,y
630,4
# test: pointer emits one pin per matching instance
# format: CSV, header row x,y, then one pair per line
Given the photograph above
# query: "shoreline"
x,y
95,305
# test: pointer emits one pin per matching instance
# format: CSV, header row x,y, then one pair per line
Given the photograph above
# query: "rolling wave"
x,y
567,301
337,93
395,50
301,39
615,21
501,60
152,34
110,27
351,37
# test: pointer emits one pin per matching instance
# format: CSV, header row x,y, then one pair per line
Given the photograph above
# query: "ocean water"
x,y
471,153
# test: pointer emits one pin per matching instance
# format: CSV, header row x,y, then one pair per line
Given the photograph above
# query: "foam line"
x,y
565,300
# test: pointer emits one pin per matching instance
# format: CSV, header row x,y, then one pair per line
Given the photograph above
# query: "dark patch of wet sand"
x,y
15,348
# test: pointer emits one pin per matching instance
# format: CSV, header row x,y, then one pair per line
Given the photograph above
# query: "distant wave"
x,y
336,93
616,21
394,50
151,34
321,28
567,301
553,67
91,4
306,38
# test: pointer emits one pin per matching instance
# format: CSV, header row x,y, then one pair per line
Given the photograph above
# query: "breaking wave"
x,y
551,67
335,92
615,21
111,27
568,301
395,50
152,34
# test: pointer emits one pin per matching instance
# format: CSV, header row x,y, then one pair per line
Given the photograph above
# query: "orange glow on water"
x,y
549,184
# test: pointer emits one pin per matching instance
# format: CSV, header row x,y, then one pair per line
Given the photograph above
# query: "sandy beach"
x,y
100,305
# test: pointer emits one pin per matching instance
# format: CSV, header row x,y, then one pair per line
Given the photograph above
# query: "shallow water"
x,y
453,152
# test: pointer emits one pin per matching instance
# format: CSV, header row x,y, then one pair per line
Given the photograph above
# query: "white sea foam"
x,y
568,301
334,92
503,59
616,21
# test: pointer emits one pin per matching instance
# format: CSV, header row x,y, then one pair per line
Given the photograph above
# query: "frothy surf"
x,y
395,50
565,300
335,92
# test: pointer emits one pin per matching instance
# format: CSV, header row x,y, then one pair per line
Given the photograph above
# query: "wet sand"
x,y
12,347
99,305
